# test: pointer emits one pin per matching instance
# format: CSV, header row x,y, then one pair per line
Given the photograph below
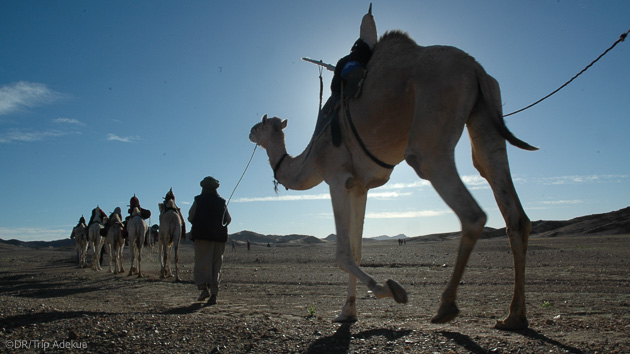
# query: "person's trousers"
x,y
208,261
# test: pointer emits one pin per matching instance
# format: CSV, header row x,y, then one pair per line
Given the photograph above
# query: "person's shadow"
x,y
340,341
183,310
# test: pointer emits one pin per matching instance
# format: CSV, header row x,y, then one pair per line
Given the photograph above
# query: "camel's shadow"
x,y
340,341
467,343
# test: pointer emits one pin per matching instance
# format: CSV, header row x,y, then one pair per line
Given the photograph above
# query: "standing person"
x,y
209,218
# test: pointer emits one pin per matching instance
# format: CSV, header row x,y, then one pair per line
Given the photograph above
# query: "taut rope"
x,y
621,39
237,183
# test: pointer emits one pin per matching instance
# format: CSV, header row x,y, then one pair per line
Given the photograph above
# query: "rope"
x,y
237,183
321,88
621,39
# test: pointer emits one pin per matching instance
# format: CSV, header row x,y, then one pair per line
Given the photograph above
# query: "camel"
x,y
95,240
414,104
115,243
171,223
79,234
136,229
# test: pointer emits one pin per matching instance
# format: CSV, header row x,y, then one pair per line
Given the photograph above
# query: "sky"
x,y
101,100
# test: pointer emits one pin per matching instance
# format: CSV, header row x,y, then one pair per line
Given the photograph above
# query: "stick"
x,y
320,63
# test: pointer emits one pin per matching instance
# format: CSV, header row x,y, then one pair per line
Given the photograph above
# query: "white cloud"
x,y
416,184
284,198
406,214
563,202
24,94
562,180
69,121
124,139
17,135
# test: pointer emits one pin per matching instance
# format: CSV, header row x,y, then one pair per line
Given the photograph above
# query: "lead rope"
x,y
621,39
237,183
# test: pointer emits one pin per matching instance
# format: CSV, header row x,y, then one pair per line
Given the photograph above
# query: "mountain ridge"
x,y
611,223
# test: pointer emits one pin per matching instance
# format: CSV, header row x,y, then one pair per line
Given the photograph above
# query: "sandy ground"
x,y
283,299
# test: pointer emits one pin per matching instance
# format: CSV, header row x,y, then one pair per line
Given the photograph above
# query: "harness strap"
x,y
362,144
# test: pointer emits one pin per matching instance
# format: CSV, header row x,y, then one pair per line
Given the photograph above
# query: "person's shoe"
x,y
213,300
204,295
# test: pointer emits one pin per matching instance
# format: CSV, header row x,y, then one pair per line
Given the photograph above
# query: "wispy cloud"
x,y
69,121
124,139
589,179
22,94
62,126
563,202
18,135
284,198
323,196
406,214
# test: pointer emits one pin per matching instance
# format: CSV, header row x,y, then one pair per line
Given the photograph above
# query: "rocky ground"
x,y
283,299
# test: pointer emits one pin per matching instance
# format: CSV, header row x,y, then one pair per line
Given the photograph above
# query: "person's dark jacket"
x,y
207,222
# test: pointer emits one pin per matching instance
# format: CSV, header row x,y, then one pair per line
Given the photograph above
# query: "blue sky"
x,y
103,99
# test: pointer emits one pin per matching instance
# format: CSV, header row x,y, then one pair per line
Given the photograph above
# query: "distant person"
x,y
209,218
248,246
233,246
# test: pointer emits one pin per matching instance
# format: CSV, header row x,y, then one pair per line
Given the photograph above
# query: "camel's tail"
x,y
492,98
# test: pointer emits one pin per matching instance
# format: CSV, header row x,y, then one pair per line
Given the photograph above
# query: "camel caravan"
x,y
398,101
115,233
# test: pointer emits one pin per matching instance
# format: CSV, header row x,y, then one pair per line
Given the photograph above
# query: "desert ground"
x,y
283,300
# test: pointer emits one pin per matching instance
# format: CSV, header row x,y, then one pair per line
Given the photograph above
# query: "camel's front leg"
x,y
349,200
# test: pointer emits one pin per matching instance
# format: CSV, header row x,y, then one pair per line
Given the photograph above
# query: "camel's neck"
x,y
299,173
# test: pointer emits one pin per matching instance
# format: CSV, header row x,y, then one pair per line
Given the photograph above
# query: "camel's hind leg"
x,y
430,151
490,158
176,251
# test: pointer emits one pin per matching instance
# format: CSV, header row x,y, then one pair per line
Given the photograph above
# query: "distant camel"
x,y
115,243
414,104
171,222
95,240
136,229
80,236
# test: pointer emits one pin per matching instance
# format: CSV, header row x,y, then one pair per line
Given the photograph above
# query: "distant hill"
x,y
612,223
66,242
287,240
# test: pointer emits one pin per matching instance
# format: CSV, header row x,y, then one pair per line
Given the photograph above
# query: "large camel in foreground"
x,y
414,106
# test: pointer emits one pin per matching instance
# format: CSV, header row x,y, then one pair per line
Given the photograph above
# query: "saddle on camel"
x,y
350,72
166,206
144,214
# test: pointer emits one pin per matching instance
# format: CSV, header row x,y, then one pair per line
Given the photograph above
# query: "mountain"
x,y
612,223
66,242
287,240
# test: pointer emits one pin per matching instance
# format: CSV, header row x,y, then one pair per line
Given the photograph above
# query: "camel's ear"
x,y
283,124
264,119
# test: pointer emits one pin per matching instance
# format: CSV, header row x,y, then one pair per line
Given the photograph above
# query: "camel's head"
x,y
267,131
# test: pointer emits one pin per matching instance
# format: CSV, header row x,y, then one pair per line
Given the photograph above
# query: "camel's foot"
x,y
140,275
398,292
446,313
348,312
512,323
177,280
